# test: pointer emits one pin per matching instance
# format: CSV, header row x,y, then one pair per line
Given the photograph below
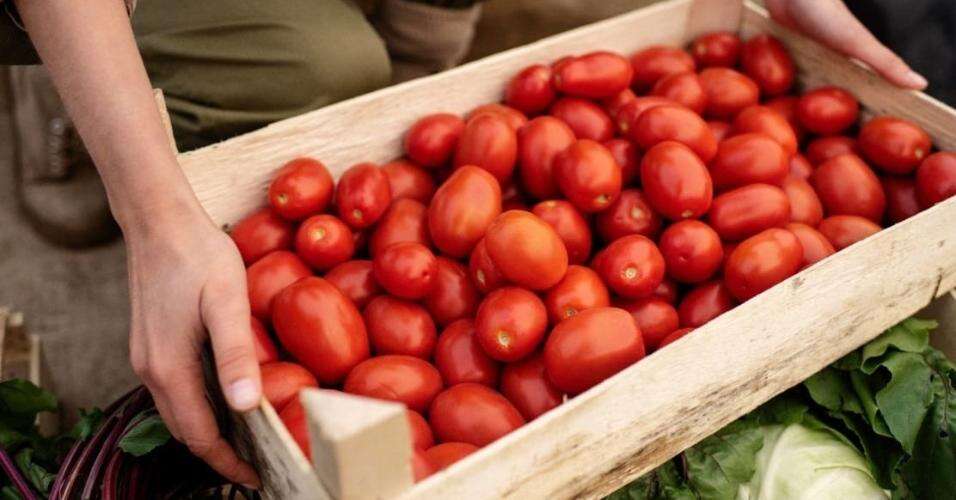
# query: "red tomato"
x,y
692,251
527,387
510,323
786,106
766,60
800,167
845,230
422,437
571,226
655,62
580,289
667,291
453,296
321,328
302,187
767,121
483,270
588,176
591,346
421,467
895,145
827,110
748,210
673,337
526,250
324,241
704,303
629,214
407,180
398,326
261,233
432,139
816,246
405,220
632,266
355,280
614,103
901,200
282,381
443,455
627,157
293,417
405,270
655,318
462,209
268,276
676,183
805,205
530,91
936,178
762,261
720,129
460,358
514,118
362,195
822,149
594,75
266,351
847,186
393,377
749,158
586,119
473,413
683,88
670,122
727,92
720,48
490,143
538,143
626,117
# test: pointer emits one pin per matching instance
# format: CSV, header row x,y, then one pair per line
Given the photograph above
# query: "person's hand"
x,y
830,22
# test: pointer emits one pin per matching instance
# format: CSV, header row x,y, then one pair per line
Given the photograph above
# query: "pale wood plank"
x,y
707,16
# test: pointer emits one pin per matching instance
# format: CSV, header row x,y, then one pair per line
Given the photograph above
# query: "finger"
x,y
225,311
885,62
778,12
162,406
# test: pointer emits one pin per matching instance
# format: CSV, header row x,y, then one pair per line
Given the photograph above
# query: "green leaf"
x,y
831,389
39,477
904,400
867,400
720,463
663,483
88,423
9,493
21,400
910,335
144,436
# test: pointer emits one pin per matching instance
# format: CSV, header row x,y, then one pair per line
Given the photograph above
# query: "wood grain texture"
x,y
707,16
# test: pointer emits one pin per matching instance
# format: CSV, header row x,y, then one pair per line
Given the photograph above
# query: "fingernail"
x,y
243,394
916,79
250,486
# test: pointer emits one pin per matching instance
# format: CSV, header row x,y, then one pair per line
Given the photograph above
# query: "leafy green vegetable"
x,y
9,493
146,435
719,464
88,423
665,482
39,477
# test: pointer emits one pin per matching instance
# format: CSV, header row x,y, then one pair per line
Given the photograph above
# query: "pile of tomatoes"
x,y
526,252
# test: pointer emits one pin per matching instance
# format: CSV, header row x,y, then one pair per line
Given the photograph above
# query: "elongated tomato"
x,y
761,261
581,289
490,143
676,183
394,377
462,209
473,413
526,385
539,142
526,250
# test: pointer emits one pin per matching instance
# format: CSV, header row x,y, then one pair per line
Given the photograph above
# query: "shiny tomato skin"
x,y
355,280
422,436
595,75
432,139
667,291
571,226
490,143
483,271
727,92
720,49
408,180
761,261
720,129
676,183
473,413
816,246
629,214
800,167
692,251
261,233
586,119
655,62
394,377
675,336
684,89
539,142
627,156
293,417
526,385
302,187
847,186
405,270
266,351
654,317
822,149
421,467
901,199
462,209
362,195
827,110
704,303
895,145
530,91
747,159
748,210
579,290
453,296
767,121
269,276
323,241
631,266
511,323
443,455
805,205
321,328
282,381
626,116
588,175
786,106
766,60
514,118
675,123
460,358
526,250
591,346
614,103
397,326
845,230
405,220
936,178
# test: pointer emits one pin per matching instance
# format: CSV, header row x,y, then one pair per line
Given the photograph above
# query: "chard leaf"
x,y
718,465
867,400
910,335
144,436
903,402
88,423
9,493
20,401
831,389
663,483
39,477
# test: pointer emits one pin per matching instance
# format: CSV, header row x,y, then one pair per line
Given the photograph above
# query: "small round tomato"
x,y
845,230
591,346
530,91
629,214
747,159
266,351
571,226
800,167
525,384
405,220
704,303
526,250
614,103
655,318
586,119
321,328
510,323
684,89
721,48
581,289
462,209
764,120
692,251
816,246
293,417
407,180
766,60
422,437
538,143
847,186
670,122
786,105
805,205
901,199
354,279
483,271
362,195
727,92
301,188
674,336
421,467
626,117
594,75
632,266
748,210
655,62
393,377
453,296
432,139
627,157
667,291
324,241
443,455
676,182
473,413
514,118
397,326
822,149
936,178
762,261
720,129
261,233
827,110
405,270
460,358
588,176
268,276
490,143
282,381
895,145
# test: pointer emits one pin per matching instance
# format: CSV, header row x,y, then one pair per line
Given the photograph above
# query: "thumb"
x,y
884,61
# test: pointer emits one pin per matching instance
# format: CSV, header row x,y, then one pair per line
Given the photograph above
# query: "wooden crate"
x,y
651,411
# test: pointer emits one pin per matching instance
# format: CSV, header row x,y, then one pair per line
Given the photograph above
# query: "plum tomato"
x,y
539,142
282,381
822,149
432,139
655,62
629,214
845,230
422,437
571,226
321,328
805,205
443,455
268,276
936,178
421,467
594,75
674,336
405,270
355,280
490,143
586,119
514,118
816,246
667,290
676,183
323,241
895,145
473,413
591,346
301,188
762,261
266,351
453,296
397,326
588,175
626,117
692,251
631,266
767,121
800,167
727,92
748,210
721,48
654,317
408,180
669,122
395,377
684,89
847,186
525,384
766,60
261,233
293,417
720,129
747,159
510,323
405,220
462,209
786,106
614,103
827,110
526,250
627,156
580,289
704,303
362,195
483,271
460,358
901,199
530,91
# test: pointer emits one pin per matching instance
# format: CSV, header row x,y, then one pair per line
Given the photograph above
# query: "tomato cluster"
x,y
521,255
